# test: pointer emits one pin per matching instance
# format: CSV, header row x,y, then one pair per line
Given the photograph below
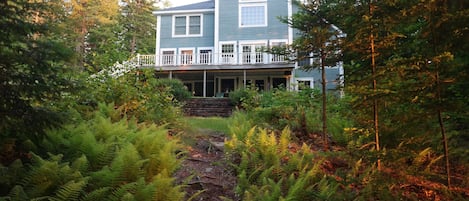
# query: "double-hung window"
x,y
187,25
252,14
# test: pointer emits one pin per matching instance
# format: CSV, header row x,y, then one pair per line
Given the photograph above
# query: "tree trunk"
x,y
324,101
375,87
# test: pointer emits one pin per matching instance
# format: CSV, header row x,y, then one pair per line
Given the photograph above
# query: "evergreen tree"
x,y
32,70
317,39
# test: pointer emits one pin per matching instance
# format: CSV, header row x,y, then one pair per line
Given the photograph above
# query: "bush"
x,y
141,96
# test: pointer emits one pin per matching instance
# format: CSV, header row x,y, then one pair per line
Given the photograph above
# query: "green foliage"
x,y
140,95
99,159
300,111
33,74
271,169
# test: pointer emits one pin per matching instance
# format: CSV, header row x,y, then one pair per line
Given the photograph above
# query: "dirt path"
x,y
205,171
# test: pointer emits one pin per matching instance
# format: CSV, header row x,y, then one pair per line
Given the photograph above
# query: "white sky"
x,y
183,2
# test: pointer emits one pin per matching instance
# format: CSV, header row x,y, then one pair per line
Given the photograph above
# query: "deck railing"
x,y
210,59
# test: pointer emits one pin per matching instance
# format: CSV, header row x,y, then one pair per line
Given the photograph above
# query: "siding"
x,y
332,74
167,41
229,25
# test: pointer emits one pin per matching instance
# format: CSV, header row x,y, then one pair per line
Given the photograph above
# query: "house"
x,y
218,46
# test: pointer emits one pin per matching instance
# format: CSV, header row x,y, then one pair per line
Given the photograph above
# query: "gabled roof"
x,y
202,6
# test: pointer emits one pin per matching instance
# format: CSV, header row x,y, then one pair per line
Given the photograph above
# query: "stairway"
x,y
208,107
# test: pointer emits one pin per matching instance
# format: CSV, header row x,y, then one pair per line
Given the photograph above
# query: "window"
x,y
253,53
186,56
167,57
187,25
278,45
227,53
253,15
305,84
205,56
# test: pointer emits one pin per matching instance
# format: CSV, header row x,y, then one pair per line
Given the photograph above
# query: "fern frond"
x,y
122,191
17,194
71,190
97,195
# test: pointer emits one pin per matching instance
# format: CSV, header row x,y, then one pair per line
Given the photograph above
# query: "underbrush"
x,y
97,159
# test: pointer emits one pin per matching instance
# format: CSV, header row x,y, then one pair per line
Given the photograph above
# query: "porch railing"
x,y
210,59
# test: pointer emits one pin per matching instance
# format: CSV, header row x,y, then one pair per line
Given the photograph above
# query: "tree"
x,y
139,25
317,39
32,69
85,17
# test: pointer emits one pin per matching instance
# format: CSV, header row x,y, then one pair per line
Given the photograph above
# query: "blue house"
x,y
218,46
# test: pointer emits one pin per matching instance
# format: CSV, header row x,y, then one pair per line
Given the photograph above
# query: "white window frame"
x,y
310,79
179,55
235,51
174,50
242,5
188,26
271,56
253,52
199,54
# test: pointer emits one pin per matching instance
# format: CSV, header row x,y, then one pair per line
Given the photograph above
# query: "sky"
x,y
183,2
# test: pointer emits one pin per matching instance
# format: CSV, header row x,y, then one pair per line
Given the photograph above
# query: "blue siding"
x,y
332,74
229,25
167,41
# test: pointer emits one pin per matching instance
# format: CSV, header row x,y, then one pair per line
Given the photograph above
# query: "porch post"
x,y
205,83
170,75
244,78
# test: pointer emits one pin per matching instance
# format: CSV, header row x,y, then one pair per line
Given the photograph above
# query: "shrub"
x,y
141,96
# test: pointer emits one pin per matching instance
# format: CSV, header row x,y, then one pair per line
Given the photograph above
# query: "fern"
x,y
17,194
97,195
71,190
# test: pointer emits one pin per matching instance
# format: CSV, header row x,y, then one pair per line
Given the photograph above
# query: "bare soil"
x,y
205,172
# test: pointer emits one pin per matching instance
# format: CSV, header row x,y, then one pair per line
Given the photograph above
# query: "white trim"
x,y
182,11
235,50
173,26
241,5
158,39
216,34
290,29
168,49
278,41
310,79
204,48
179,55
253,52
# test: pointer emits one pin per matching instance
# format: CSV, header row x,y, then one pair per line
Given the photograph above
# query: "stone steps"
x,y
208,107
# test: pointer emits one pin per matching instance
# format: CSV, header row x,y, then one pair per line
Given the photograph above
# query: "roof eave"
x,y
183,11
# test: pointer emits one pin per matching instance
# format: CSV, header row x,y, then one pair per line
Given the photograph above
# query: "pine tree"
x,y
317,39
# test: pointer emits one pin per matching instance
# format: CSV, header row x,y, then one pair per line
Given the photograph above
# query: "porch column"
x,y
244,78
205,83
170,75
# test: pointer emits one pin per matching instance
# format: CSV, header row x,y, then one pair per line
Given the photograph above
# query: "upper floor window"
x,y
187,25
252,14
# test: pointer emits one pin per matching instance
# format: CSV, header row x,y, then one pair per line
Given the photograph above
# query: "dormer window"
x,y
187,25
252,14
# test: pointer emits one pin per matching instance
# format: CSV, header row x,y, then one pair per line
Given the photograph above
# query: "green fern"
x,y
71,190
17,194
97,194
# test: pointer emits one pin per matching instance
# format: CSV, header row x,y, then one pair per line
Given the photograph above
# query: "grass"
x,y
218,124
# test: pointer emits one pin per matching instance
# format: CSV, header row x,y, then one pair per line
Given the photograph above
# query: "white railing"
x,y
210,59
